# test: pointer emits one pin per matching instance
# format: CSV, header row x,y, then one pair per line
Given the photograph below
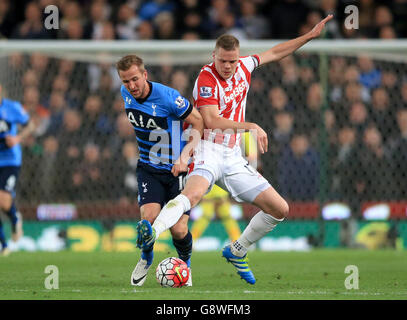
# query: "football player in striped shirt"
x,y
220,94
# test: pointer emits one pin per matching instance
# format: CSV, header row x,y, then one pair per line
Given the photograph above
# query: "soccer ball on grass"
x,y
172,272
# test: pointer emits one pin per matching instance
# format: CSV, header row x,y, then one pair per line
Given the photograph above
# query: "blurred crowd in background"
x,y
349,145
203,19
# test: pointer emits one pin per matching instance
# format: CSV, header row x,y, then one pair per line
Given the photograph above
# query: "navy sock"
x,y
12,214
184,247
2,236
146,254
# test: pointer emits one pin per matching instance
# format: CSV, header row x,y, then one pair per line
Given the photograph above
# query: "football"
x,y
172,272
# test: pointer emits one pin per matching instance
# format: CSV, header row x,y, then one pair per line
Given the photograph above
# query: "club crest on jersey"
x,y
154,106
205,92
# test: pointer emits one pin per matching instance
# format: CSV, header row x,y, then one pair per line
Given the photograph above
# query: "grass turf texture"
x,y
318,274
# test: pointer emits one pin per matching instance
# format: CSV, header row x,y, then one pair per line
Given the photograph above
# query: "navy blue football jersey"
x,y
12,114
158,124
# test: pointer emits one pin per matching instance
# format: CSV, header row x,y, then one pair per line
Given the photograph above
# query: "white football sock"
x,y
261,224
171,213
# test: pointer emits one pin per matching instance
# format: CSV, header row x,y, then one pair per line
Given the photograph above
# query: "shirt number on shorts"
x,y
11,182
181,182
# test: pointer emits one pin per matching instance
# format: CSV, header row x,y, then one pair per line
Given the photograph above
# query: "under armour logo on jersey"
x,y
154,106
144,185
128,100
205,92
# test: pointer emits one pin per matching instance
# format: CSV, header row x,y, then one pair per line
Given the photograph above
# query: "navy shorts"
x,y
156,186
8,179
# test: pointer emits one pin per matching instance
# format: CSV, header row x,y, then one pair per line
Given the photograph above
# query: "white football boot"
x,y
139,274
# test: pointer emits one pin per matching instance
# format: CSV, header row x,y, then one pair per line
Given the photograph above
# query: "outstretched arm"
x,y
286,48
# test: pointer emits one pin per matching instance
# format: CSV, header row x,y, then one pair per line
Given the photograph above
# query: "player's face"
x,y
135,82
226,61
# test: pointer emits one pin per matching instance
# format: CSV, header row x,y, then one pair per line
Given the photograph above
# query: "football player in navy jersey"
x,y
12,114
159,114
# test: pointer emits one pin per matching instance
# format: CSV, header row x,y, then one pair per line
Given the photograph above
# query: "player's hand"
x,y
262,140
317,30
179,167
11,141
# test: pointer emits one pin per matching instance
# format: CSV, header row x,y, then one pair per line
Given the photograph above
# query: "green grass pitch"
x,y
318,274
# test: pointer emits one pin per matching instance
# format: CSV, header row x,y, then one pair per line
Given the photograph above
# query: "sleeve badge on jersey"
x,y
205,92
180,102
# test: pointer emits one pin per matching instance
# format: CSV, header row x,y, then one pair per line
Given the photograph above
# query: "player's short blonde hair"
x,y
227,42
126,62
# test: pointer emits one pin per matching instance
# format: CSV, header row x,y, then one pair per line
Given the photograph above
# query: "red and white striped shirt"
x,y
229,95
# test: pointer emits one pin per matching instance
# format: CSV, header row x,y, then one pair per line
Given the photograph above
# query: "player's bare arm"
x,y
286,48
213,120
196,121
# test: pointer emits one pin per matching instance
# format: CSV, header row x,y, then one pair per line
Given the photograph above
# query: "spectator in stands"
x,y
228,24
7,19
48,171
254,25
39,114
191,19
180,81
398,147
72,73
73,31
214,13
124,186
366,13
336,80
382,114
345,166
93,29
165,26
56,106
145,31
358,118
298,168
383,17
97,127
308,119
127,23
124,132
108,31
278,100
71,140
283,127
88,181
71,11
370,76
387,33
375,178
390,83
32,27
151,8
40,64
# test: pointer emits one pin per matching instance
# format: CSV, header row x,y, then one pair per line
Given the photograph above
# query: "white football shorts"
x,y
229,170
